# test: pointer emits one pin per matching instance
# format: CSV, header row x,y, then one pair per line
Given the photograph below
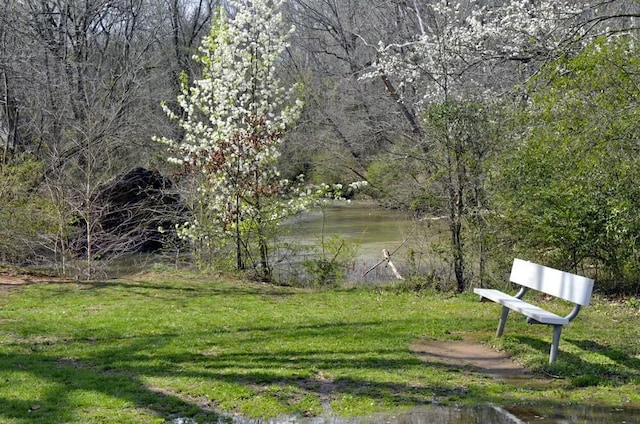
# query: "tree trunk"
x,y
264,254
456,210
239,260
458,254
263,246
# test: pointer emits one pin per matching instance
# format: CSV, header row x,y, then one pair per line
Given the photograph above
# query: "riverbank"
x,y
154,347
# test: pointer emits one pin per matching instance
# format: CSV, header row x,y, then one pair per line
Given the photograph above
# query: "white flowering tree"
x,y
233,120
461,47
463,56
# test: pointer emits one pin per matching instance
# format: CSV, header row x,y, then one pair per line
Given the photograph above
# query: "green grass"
x,y
155,347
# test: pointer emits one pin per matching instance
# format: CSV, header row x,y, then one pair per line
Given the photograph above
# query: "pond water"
x,y
485,414
365,224
366,230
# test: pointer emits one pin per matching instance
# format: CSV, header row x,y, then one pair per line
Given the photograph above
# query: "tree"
x,y
464,143
234,121
81,83
349,121
571,187
453,72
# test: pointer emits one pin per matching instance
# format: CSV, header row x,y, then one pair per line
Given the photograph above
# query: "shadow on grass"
x,y
119,368
64,382
580,370
118,372
619,357
193,288
304,371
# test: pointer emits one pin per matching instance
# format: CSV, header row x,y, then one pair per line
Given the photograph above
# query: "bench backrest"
x,y
564,285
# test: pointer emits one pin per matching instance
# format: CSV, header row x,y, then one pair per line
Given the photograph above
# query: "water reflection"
x,y
575,414
487,414
371,229
440,415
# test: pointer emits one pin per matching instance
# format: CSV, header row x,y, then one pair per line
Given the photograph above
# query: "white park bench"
x,y
563,285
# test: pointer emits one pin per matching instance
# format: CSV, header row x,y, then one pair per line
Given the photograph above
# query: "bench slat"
x,y
564,285
491,294
521,306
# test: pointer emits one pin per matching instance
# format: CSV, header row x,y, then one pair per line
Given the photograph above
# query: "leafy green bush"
x,y
26,216
330,266
571,188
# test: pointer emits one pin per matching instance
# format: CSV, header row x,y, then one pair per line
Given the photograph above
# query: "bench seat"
x,y
562,285
525,308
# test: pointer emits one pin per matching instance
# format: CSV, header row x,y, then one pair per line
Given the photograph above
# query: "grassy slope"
x,y
161,346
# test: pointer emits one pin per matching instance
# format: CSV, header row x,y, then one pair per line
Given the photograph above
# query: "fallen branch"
x,y
387,258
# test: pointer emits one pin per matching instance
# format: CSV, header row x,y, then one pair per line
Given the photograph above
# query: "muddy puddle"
x,y
487,414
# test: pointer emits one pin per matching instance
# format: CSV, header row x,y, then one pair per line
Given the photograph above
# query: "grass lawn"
x,y
154,347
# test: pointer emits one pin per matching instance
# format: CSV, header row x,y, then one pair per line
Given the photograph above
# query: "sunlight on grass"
x,y
159,346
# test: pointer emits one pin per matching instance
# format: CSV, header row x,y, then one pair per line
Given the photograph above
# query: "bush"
x,y
330,266
26,216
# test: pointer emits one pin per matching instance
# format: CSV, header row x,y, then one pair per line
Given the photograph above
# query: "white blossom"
x,y
462,42
235,115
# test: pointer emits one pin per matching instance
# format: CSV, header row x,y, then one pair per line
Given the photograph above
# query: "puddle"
x,y
487,414
575,414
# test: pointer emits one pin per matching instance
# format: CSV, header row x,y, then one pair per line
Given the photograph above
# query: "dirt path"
x,y
7,280
468,355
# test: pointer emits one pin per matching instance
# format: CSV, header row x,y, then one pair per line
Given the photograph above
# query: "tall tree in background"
x,y
572,186
233,122
454,70
350,122
91,60
81,82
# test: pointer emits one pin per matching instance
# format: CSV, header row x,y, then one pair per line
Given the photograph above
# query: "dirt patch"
x,y
470,356
16,280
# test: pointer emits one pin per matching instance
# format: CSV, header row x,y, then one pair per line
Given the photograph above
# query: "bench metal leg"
x,y
503,320
557,329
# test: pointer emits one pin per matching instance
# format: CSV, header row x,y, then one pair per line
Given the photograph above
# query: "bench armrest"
x,y
521,292
574,312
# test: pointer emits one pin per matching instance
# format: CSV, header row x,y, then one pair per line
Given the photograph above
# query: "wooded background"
x,y
527,152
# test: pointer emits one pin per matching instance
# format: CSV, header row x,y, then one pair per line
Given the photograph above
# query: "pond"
x,y
365,230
